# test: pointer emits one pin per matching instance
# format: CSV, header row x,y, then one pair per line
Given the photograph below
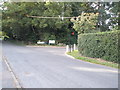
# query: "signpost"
x,y
51,41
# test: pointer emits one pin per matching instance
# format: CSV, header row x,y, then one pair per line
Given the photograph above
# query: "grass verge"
x,y
76,55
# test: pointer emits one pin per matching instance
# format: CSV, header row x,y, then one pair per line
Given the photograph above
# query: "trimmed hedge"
x,y
100,45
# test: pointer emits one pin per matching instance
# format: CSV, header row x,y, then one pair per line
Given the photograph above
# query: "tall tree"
x,y
85,23
108,13
18,25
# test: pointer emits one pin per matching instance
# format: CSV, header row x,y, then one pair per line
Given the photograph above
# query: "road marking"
x,y
69,55
18,85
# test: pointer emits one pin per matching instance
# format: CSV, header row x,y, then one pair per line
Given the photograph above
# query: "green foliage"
x,y
85,23
116,10
18,26
108,14
48,36
3,35
100,45
103,15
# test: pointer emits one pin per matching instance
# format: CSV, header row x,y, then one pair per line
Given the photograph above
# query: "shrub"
x,y
100,45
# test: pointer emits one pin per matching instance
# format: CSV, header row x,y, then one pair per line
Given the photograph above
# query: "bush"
x,y
100,45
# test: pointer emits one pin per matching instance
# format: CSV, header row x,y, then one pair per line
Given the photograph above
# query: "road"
x,y
7,79
49,67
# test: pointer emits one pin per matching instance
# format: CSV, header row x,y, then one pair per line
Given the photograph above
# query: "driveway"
x,y
49,67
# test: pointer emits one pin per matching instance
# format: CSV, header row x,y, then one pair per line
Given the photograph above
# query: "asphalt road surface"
x,y
7,79
49,67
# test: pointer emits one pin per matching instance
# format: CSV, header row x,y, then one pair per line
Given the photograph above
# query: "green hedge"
x,y
100,45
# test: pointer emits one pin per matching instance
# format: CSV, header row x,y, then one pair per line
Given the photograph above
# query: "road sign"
x,y
51,41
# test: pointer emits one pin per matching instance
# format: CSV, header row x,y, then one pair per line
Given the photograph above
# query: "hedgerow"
x,y
100,45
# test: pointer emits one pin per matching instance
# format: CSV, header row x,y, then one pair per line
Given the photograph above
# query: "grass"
x,y
76,55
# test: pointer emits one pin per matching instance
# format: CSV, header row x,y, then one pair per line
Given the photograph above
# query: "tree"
x,y
115,17
85,23
19,26
108,14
